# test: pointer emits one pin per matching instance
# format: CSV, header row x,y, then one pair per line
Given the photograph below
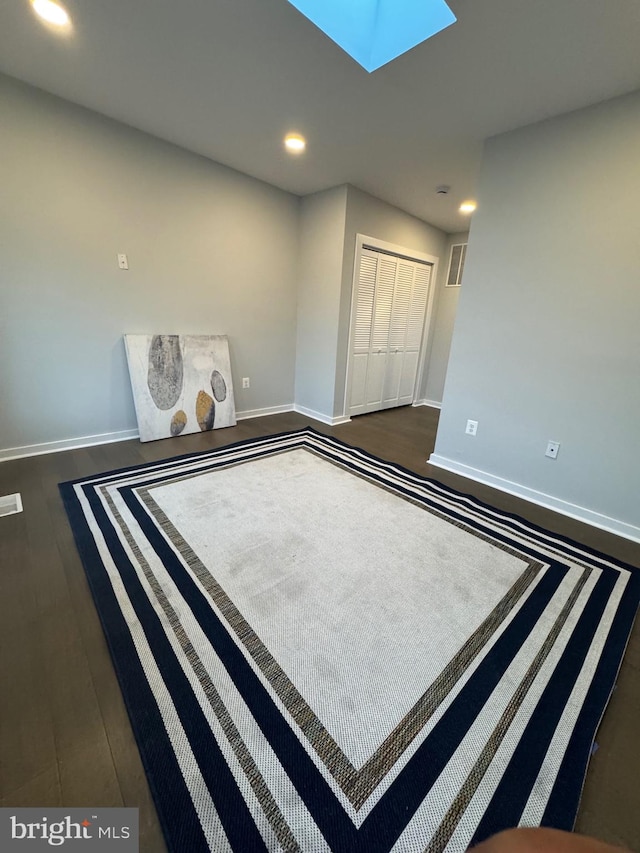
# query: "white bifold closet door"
x,y
390,308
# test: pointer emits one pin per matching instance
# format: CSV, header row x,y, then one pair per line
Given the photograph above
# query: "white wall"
x,y
210,251
547,341
444,316
322,224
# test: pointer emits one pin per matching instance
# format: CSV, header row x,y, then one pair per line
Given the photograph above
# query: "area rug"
x,y
321,651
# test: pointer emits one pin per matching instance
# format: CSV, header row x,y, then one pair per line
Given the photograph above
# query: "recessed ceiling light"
x,y
51,12
467,207
295,143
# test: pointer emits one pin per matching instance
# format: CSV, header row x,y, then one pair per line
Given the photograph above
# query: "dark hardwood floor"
x,y
65,737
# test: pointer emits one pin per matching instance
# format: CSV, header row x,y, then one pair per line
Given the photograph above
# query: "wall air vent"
x,y
456,264
10,504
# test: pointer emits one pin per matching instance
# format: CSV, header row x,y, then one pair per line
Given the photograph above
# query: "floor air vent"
x,y
10,504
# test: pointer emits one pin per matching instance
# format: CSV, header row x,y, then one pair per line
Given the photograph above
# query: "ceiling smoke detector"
x,y
443,189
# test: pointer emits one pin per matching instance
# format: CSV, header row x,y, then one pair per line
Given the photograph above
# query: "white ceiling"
x,y
228,78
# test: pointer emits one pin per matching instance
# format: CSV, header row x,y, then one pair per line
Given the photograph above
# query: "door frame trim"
x,y
377,245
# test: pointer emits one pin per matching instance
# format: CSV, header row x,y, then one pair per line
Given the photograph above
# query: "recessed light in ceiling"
x,y
467,207
52,13
295,143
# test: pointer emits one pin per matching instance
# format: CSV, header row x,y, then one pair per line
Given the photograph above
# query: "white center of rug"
x,y
361,597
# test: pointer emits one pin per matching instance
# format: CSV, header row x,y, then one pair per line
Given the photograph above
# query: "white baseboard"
x,y
318,416
124,435
261,413
66,444
588,516
433,404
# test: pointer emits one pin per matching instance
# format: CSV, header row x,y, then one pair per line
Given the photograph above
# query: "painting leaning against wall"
x,y
181,383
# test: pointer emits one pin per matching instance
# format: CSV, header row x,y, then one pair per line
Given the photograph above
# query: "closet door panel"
x,y
358,383
392,376
401,306
385,286
361,342
365,303
375,379
418,307
408,373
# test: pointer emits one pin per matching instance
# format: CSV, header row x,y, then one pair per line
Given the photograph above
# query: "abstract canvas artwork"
x,y
181,383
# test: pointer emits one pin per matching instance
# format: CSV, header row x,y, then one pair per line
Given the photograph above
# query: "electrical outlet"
x,y
123,262
552,449
472,427
246,382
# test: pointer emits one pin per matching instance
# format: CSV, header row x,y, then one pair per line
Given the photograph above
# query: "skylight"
x,y
373,32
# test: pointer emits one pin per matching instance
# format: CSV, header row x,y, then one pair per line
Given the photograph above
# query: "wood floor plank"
x,y
82,780
43,790
73,704
27,743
